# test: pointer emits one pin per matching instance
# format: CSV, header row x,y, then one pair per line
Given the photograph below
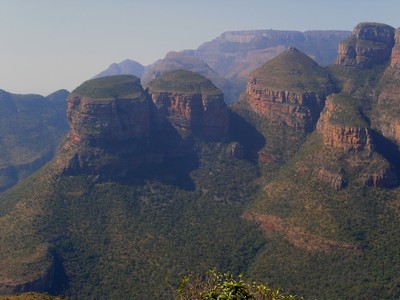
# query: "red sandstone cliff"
x,y
191,103
342,127
370,44
395,58
289,89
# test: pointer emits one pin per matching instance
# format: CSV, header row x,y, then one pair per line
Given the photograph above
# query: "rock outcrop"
x,y
289,89
370,44
336,180
109,109
191,103
342,126
386,111
395,58
110,120
116,128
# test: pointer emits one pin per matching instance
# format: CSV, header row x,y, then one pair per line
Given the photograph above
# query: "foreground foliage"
x,y
218,286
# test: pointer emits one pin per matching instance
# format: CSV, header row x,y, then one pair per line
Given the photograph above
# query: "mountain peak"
x,y
292,70
370,44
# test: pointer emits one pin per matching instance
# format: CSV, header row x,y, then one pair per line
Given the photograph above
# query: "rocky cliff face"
x,y
290,89
110,119
395,58
342,126
386,111
117,128
370,44
191,103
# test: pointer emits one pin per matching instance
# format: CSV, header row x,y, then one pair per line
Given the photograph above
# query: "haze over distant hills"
x,y
228,59
126,67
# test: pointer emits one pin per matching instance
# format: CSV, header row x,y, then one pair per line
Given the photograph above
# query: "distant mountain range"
x,y
228,59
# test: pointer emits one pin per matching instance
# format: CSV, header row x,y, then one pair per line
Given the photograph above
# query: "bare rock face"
x,y
395,59
191,103
110,126
289,89
386,115
342,126
108,109
370,44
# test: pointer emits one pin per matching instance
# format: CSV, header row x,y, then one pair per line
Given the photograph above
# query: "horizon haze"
x,y
49,46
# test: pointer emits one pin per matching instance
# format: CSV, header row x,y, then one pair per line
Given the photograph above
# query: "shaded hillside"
x,y
31,126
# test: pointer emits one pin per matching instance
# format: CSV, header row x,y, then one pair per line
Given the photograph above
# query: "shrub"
x,y
225,286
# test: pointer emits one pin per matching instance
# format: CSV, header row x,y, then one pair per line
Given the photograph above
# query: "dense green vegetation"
x,y
123,240
347,112
31,126
110,87
182,81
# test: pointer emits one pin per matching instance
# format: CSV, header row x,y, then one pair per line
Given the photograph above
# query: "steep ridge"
x,y
108,117
31,126
386,113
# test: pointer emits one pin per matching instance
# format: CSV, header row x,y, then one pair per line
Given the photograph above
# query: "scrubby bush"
x,y
225,286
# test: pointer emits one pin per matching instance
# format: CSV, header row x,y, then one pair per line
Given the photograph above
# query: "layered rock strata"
x,y
290,89
395,58
99,117
194,106
370,44
110,120
116,128
342,126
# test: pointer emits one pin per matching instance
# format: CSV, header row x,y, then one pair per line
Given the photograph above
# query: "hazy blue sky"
x,y
51,44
